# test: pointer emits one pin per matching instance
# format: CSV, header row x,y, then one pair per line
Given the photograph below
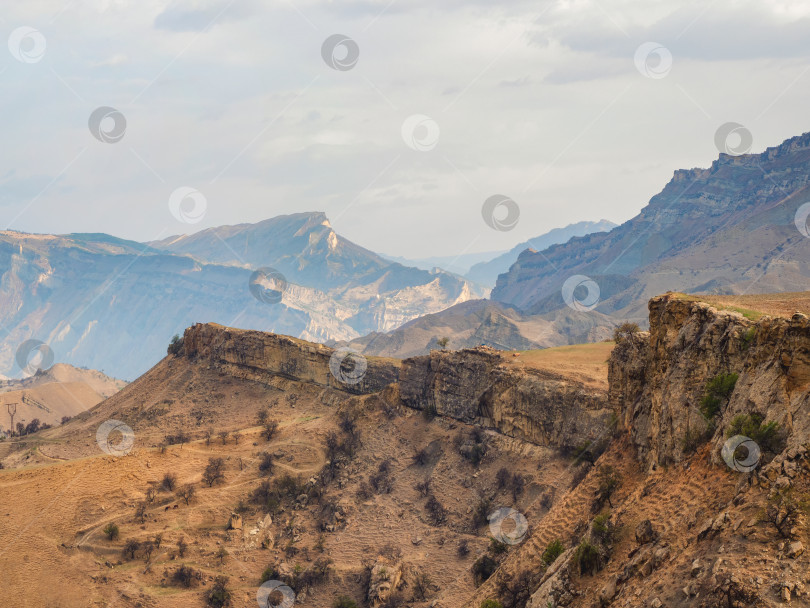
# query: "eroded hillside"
x,y
386,481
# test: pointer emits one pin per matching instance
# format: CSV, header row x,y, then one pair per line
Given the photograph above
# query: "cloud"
x,y
700,32
112,61
539,101
199,15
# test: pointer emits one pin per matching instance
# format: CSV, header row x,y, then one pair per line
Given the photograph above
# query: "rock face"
x,y
707,231
254,354
473,385
657,380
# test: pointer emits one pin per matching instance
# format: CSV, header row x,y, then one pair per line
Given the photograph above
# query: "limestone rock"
x,y
645,533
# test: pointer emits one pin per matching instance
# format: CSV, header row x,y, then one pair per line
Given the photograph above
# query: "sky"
x,y
401,119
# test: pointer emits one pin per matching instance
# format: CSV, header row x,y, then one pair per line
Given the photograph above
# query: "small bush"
x,y
602,528
266,463
131,548
148,547
784,512
502,478
463,549
382,481
421,585
219,596
178,438
182,547
718,392
483,568
344,602
270,429
587,557
518,485
553,550
364,491
429,412
111,531
516,591
422,457
270,573
436,512
766,435
423,487
169,482
186,576
480,514
175,346
214,471
491,604
609,481
187,493
140,512
748,337
497,547
625,331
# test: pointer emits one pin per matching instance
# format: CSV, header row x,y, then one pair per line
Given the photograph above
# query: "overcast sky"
x,y
576,110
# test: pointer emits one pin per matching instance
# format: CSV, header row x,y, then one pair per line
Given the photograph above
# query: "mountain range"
x,y
112,304
737,227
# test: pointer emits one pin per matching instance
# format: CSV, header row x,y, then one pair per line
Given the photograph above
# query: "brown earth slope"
x,y
376,491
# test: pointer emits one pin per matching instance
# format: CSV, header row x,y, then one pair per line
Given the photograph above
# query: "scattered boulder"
x,y
608,592
795,549
645,533
384,579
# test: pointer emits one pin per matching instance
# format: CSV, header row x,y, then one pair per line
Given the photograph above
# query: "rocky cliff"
x,y
470,385
474,385
254,355
712,230
658,379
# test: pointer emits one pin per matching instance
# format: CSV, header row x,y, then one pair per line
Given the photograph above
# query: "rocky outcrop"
x,y
704,232
657,380
254,355
475,385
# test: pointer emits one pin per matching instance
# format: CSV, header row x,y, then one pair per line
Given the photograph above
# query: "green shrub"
x,y
602,528
270,573
219,596
554,549
111,530
767,436
497,547
718,392
609,481
491,604
175,345
748,337
587,556
344,602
